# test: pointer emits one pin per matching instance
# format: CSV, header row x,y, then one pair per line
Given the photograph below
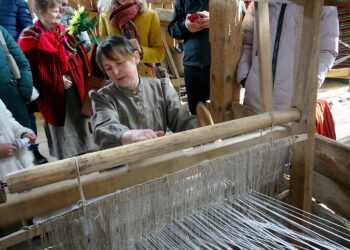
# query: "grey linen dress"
x,y
154,104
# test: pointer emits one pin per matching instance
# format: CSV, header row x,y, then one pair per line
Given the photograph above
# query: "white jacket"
x,y
283,86
10,130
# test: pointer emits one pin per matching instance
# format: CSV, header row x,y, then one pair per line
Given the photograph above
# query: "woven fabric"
x,y
344,28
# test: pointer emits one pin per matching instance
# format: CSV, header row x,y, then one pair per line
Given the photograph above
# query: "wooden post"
x,y
265,58
304,99
226,46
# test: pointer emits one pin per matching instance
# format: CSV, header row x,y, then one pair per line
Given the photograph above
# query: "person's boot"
x,y
39,158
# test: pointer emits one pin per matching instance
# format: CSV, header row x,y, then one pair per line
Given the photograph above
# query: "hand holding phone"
x,y
194,17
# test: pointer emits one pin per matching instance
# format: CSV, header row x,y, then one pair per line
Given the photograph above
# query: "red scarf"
x,y
123,16
324,119
52,41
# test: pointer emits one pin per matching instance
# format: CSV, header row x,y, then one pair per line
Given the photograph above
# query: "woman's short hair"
x,y
44,5
114,47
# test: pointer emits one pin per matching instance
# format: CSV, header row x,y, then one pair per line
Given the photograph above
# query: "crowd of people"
x,y
134,106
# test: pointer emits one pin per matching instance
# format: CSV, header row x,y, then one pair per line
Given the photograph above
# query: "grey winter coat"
x,y
248,67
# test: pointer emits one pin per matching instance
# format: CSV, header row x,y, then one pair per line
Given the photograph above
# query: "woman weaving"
x,y
133,108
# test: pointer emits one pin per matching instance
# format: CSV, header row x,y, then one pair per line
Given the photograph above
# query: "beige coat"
x,y
283,86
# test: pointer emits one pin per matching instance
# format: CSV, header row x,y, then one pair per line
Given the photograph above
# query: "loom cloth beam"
x,y
66,169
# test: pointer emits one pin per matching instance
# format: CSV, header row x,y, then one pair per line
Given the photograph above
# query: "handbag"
x,y
92,83
11,62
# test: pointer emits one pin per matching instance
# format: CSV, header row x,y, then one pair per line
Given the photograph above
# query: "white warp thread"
x,y
171,203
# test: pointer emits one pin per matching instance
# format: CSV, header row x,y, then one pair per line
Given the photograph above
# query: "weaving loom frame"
x,y
305,125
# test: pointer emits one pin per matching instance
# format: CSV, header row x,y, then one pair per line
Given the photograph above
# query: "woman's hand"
x,y
132,136
30,136
199,23
67,81
7,150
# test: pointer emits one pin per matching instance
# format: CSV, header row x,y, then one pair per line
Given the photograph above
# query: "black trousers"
x,y
197,81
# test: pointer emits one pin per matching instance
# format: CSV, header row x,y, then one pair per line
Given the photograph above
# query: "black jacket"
x,y
196,45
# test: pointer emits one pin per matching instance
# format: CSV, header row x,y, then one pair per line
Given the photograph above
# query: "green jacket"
x,y
14,93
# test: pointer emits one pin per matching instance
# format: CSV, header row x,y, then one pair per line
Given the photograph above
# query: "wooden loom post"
x,y
265,58
226,45
304,99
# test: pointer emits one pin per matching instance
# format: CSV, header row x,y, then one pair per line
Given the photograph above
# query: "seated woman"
x,y
133,108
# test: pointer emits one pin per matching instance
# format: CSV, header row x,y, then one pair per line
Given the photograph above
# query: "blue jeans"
x,y
34,147
197,81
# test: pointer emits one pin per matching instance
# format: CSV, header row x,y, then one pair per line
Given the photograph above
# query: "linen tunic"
x,y
154,104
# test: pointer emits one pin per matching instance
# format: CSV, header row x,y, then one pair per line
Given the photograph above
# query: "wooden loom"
x,y
151,159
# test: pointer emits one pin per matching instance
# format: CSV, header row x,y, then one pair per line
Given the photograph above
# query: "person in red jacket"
x,y
59,71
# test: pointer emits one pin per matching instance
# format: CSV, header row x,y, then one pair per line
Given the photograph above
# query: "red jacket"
x,y
50,58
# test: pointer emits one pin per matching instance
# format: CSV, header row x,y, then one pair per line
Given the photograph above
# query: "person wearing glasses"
x,y
67,14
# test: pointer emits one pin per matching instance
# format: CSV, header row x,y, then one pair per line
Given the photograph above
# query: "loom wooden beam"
x,y
20,236
304,98
265,58
55,196
332,160
331,174
66,169
226,46
331,193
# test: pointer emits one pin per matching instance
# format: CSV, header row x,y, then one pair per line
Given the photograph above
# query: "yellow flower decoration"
x,y
81,22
